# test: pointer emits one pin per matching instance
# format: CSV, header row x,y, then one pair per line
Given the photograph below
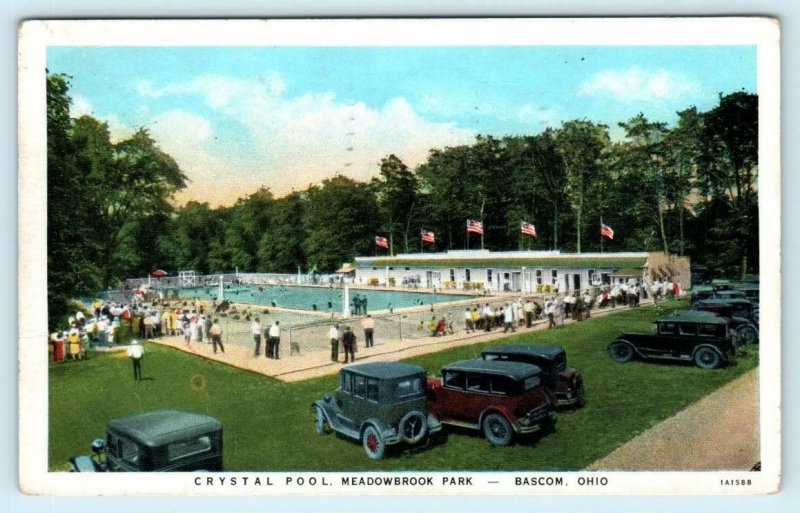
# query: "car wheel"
x,y
497,429
621,352
748,335
373,443
413,427
321,422
707,358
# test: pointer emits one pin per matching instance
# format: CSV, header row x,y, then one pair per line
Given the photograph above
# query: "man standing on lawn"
x,y
136,353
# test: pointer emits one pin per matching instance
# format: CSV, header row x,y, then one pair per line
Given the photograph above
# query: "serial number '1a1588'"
x,y
735,482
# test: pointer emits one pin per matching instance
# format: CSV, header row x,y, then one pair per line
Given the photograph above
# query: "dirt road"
x,y
720,431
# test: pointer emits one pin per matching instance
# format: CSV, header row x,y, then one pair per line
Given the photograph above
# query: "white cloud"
x,y
291,141
80,106
637,84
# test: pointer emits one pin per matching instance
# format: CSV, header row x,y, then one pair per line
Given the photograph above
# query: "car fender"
x,y
634,346
743,321
498,410
374,422
327,407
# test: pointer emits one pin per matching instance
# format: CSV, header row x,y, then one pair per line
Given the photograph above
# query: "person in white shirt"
x,y
255,329
550,311
333,336
468,320
368,325
274,342
487,316
136,353
508,318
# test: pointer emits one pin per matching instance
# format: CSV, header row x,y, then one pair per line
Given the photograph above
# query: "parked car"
x,y
564,383
719,294
501,398
699,337
157,441
739,313
379,404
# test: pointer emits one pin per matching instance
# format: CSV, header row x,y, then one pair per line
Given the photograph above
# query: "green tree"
x,y
281,248
396,189
581,144
341,219
727,168
72,239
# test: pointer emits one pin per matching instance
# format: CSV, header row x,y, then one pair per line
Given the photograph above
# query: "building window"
x,y
466,271
538,276
452,275
391,268
489,275
591,276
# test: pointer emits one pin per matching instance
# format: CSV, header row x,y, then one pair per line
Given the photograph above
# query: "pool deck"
x,y
291,368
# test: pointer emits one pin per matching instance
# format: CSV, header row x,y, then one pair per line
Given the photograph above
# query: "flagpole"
x,y
601,234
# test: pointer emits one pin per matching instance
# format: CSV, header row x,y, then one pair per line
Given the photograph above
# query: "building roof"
x,y
156,428
513,370
548,351
385,370
564,261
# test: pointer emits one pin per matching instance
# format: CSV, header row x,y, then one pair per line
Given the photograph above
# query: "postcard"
x,y
399,256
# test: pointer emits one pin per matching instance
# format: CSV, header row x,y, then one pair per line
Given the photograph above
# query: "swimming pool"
x,y
318,298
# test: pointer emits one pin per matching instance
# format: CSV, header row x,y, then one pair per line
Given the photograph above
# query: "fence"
x,y
310,334
211,280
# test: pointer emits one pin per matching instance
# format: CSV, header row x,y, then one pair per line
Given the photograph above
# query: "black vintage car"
x,y
741,315
378,404
565,383
694,336
718,294
157,441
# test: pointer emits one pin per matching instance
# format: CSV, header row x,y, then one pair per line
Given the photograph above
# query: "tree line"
x,y
688,189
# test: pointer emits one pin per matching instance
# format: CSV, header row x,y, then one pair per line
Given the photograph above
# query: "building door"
x,y
577,278
516,281
428,279
566,282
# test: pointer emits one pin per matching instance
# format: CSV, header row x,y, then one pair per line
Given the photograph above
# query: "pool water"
x,y
318,298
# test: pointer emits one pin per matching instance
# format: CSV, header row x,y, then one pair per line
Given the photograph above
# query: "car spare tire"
x,y
413,427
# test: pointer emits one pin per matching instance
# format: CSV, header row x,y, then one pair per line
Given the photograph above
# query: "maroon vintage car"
x,y
501,398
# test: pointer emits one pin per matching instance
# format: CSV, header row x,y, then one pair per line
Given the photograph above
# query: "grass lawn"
x,y
270,425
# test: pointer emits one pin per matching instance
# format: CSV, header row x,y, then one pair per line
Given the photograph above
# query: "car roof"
x,y
693,316
158,427
513,370
548,351
385,370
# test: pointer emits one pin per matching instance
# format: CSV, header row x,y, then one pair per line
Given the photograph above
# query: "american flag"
x,y
606,231
427,236
527,229
474,226
382,242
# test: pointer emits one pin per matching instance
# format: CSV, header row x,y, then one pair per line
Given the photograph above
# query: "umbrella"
x,y
158,273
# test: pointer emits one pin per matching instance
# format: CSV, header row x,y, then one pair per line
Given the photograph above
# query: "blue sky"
x,y
236,118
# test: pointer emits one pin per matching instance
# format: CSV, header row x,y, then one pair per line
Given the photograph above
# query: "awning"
x,y
345,269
